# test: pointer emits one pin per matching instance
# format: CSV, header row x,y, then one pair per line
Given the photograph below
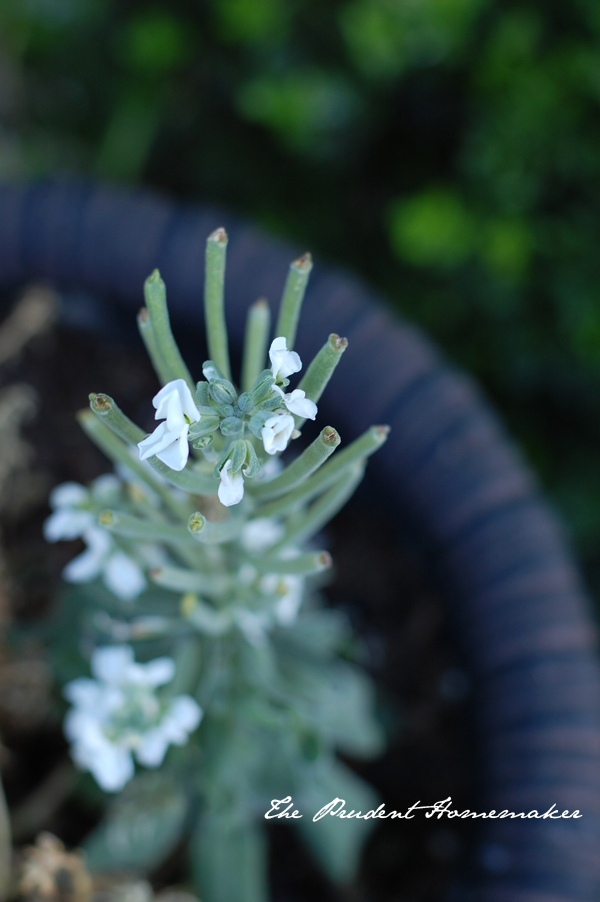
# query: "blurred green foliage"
x,y
447,150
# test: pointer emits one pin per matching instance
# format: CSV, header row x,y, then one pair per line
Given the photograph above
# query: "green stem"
x,y
301,468
305,564
214,307
137,528
211,532
321,369
155,294
151,344
333,470
256,339
180,580
322,510
119,453
110,413
291,301
189,479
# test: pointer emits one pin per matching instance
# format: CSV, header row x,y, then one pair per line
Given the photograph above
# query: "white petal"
x,y
67,494
231,489
112,662
123,576
84,567
163,401
276,432
284,362
67,523
155,442
175,455
259,534
159,671
184,715
112,767
152,748
298,403
82,692
106,488
286,609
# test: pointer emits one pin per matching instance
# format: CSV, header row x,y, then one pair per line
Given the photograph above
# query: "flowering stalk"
x,y
212,657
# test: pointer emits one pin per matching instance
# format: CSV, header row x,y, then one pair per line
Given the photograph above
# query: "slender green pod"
x,y
357,452
256,339
300,469
136,528
321,369
304,564
291,301
119,453
155,294
211,532
110,413
321,511
214,306
179,579
146,330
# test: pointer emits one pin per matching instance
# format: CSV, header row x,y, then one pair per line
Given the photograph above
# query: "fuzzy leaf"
x,y
230,861
336,842
141,828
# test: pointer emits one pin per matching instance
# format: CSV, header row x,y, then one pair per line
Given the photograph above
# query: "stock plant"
x,y
218,680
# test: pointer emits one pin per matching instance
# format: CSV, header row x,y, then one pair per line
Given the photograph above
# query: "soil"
x,y
381,583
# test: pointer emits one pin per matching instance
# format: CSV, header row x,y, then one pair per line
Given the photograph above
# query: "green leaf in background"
x,y
142,826
336,842
433,228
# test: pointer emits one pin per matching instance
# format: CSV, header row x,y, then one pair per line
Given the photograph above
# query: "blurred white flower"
x,y
283,362
297,402
288,590
169,441
259,534
120,573
276,432
118,715
231,488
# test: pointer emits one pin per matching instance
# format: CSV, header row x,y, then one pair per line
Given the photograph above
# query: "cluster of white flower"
x,y
118,715
174,404
72,518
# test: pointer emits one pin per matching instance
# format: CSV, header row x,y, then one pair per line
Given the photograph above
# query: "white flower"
x,y
118,715
288,590
283,362
169,441
276,432
231,489
259,534
297,402
120,573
